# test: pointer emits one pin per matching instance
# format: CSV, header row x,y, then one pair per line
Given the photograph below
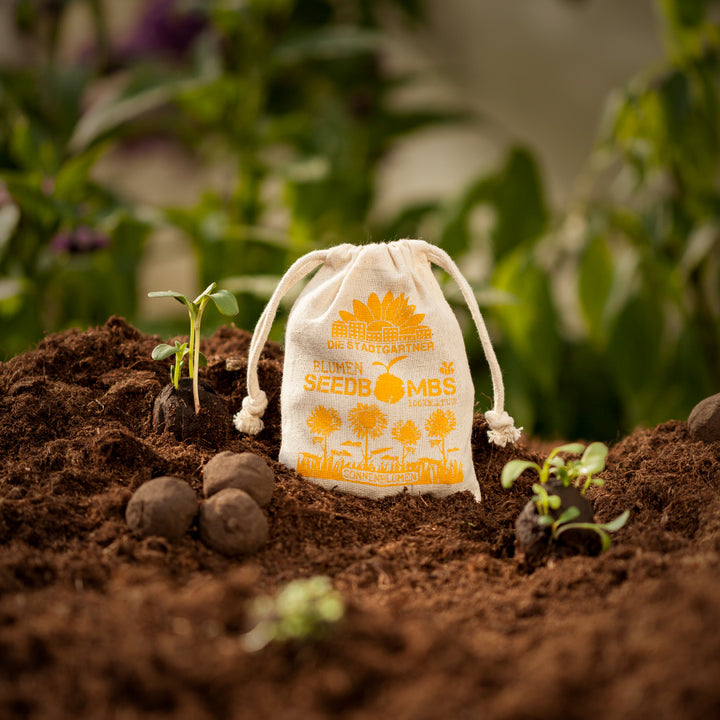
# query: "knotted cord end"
x,y
248,420
502,428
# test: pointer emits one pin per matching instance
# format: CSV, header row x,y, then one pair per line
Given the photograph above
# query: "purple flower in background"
x,y
163,30
82,239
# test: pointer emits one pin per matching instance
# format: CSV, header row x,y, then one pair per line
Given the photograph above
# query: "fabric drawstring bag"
x,y
376,394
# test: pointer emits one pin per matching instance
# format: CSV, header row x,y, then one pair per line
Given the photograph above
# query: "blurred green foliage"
x,y
287,97
614,318
604,315
58,266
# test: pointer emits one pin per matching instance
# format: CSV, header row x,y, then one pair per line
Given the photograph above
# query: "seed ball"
x,y
704,420
232,523
163,506
244,471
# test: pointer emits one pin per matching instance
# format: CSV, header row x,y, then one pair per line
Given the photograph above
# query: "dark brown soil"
x,y
443,619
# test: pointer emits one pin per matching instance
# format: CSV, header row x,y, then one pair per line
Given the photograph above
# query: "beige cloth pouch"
x,y
376,395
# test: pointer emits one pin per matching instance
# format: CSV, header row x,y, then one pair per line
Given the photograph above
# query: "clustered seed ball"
x,y
243,471
164,506
704,420
232,523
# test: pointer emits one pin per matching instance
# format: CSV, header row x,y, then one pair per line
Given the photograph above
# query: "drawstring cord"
x,y
248,420
502,426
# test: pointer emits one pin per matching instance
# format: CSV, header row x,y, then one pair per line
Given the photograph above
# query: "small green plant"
x,y
579,473
544,501
224,301
570,472
302,610
565,522
164,351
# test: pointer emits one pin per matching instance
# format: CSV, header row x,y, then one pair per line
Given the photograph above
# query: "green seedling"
x,y
303,610
224,301
570,472
579,473
544,501
565,522
164,351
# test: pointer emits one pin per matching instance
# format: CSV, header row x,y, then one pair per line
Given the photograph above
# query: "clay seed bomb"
x,y
232,523
243,471
162,506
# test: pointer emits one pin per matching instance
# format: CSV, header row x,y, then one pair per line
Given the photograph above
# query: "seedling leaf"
x,y
604,539
567,515
512,471
563,475
593,459
225,302
543,500
163,351
168,293
617,523
172,294
204,293
572,448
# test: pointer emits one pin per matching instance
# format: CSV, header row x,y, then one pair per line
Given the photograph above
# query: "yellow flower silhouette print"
x,y
408,435
439,425
367,421
323,422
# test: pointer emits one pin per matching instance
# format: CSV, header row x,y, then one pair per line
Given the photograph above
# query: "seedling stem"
x,y
224,301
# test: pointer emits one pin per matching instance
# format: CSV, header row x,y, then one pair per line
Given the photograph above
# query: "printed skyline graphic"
x,y
386,320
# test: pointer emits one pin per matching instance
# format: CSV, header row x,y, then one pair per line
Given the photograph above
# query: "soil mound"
x,y
443,620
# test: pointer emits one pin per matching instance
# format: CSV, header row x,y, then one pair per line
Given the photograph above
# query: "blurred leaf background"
x,y
604,310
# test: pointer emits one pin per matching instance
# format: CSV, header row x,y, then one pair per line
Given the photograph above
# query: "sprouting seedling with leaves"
x,y
179,350
580,473
302,610
570,472
224,301
565,522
